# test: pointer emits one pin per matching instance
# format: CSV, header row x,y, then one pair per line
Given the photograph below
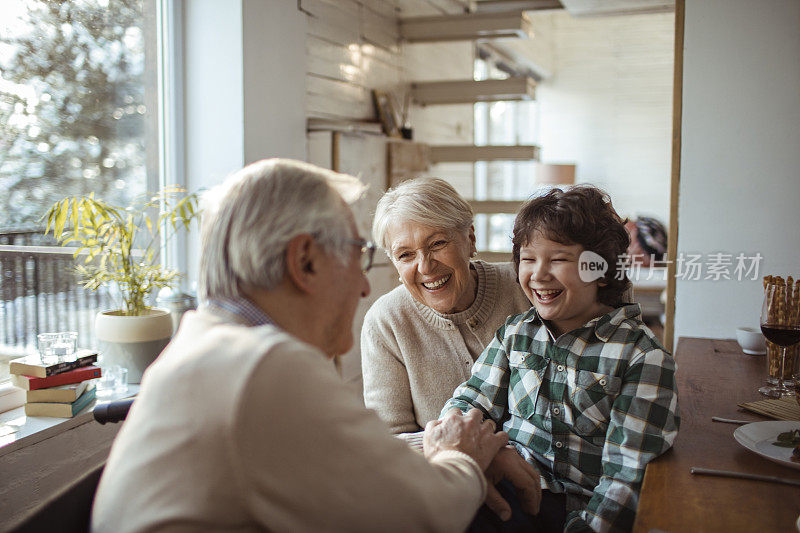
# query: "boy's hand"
x,y
467,433
508,464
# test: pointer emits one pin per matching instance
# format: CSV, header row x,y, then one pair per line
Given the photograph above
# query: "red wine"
x,y
781,335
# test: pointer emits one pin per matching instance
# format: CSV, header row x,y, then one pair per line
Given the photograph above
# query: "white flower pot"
x,y
132,342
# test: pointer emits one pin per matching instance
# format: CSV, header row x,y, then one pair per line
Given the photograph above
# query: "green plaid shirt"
x,y
589,409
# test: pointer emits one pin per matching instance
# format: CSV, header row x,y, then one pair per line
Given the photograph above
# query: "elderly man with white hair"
x,y
243,424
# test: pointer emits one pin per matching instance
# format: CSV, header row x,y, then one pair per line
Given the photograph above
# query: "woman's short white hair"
x,y
428,201
250,218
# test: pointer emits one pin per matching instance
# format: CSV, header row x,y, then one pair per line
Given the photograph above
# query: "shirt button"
x,y
559,444
560,368
467,363
603,382
556,410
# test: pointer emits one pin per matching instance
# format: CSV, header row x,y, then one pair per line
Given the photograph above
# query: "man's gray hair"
x,y
250,218
428,201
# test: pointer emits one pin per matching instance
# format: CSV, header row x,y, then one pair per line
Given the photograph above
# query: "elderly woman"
x,y
419,341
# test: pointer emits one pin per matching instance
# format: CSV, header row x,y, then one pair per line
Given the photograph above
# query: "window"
x,y
77,115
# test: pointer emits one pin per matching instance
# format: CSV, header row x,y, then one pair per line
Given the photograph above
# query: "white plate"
x,y
759,436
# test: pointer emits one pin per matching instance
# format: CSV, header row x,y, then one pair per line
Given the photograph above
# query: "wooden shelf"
x,y
471,153
493,6
470,91
494,257
495,206
350,126
593,8
465,27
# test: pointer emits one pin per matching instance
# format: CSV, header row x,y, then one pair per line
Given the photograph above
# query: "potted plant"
x,y
121,245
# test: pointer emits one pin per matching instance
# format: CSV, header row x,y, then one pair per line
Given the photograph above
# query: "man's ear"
x,y
302,261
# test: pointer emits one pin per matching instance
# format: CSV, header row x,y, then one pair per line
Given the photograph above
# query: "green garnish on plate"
x,y
788,439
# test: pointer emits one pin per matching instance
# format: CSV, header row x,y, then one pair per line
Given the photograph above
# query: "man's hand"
x,y
508,464
466,433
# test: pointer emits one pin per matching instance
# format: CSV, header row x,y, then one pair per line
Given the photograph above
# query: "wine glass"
x,y
796,379
780,324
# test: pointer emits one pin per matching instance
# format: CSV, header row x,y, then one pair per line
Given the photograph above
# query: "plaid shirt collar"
x,y
603,326
248,313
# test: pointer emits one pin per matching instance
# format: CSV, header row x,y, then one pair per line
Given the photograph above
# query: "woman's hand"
x,y
508,464
467,433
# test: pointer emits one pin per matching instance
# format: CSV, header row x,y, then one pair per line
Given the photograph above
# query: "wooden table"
x,y
713,377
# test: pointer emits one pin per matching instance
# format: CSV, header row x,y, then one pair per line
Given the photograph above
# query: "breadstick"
x,y
775,308
773,350
792,352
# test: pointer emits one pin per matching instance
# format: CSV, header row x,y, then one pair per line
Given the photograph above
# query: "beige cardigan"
x,y
413,358
246,428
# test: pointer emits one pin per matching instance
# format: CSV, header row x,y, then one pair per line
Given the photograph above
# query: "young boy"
x,y
583,388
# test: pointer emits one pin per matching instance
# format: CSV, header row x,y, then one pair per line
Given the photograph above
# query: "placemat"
x,y
781,409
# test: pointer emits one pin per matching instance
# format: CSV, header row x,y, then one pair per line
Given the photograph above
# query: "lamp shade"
x,y
550,174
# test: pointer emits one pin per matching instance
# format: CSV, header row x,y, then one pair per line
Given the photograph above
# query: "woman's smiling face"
x,y
548,273
433,264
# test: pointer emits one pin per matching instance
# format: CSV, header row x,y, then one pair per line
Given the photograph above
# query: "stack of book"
x,y
56,389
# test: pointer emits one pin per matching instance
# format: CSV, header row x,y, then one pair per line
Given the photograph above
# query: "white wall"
x,y
274,66
740,168
608,105
244,79
214,94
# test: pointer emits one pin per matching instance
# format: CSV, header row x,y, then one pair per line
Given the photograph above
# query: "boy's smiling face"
x,y
548,273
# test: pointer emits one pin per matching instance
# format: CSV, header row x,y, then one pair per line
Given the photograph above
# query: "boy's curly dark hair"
x,y
581,215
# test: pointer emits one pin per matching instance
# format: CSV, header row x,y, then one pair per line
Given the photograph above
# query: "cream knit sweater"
x,y
241,428
412,357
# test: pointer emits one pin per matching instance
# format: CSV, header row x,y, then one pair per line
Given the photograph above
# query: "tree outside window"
x,y
72,103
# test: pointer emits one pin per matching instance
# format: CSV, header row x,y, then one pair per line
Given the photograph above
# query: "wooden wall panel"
x,y
339,91
329,60
365,156
380,28
333,21
352,48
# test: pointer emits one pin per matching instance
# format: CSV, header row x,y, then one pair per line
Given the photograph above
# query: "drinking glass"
x,y
57,347
113,380
106,383
780,324
121,380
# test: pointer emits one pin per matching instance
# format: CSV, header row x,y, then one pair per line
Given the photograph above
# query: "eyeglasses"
x,y
367,252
